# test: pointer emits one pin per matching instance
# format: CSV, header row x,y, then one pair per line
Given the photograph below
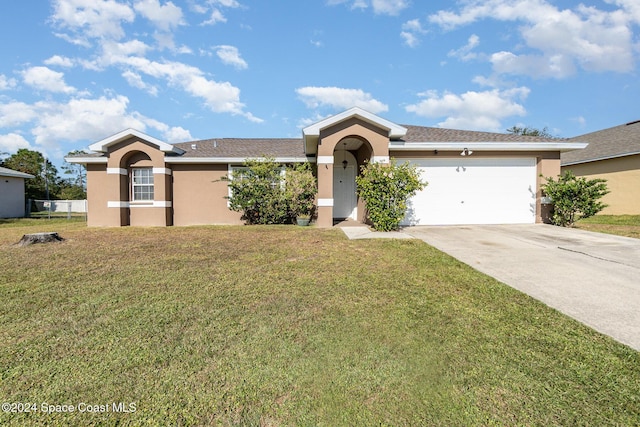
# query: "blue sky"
x,y
75,71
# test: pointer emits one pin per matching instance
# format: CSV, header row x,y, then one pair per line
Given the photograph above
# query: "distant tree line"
x,y
47,184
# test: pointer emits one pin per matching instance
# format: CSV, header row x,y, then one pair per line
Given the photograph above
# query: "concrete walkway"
x,y
592,277
364,232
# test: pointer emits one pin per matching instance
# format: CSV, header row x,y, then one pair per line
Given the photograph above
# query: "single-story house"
x,y
12,202
613,154
474,177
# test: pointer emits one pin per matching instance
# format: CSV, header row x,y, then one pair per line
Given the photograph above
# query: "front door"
x,y
345,200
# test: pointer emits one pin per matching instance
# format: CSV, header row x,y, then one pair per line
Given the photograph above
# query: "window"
x,y
142,184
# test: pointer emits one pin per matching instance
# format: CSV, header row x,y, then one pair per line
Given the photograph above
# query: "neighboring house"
x,y
474,177
613,154
12,203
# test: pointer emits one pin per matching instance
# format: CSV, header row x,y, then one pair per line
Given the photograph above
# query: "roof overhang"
x,y
86,160
486,146
233,160
10,173
598,159
311,133
103,145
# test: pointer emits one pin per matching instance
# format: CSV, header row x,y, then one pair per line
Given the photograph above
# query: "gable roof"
x,y
287,150
103,145
618,141
395,131
311,134
14,174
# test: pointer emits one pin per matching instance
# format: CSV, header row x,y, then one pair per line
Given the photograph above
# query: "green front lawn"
x,y
288,326
621,225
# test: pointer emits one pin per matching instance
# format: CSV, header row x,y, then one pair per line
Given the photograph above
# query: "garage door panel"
x,y
474,191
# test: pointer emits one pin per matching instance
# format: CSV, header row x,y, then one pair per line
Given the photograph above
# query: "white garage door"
x,y
475,191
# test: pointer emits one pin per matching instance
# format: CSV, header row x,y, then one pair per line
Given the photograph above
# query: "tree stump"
x,y
30,239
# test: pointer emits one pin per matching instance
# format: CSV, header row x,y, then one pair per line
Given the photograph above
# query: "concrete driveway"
x,y
592,277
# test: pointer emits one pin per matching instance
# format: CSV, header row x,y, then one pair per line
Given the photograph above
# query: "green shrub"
x,y
300,189
268,193
574,198
385,190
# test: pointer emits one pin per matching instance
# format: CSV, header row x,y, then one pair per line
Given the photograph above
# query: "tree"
x,y
74,187
574,198
45,181
529,131
386,189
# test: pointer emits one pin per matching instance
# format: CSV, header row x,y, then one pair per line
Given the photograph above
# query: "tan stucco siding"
x,y
376,146
109,187
101,188
199,195
12,201
623,180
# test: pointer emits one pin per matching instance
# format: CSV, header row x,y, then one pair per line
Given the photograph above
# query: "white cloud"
x,y
215,17
177,134
113,53
95,19
471,110
43,78
380,7
389,7
560,40
6,83
410,32
226,3
558,66
15,114
339,98
169,134
12,142
465,52
165,17
214,9
83,119
219,97
229,55
80,119
135,80
59,61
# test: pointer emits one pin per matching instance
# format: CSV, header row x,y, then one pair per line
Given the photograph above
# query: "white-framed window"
x,y
142,184
239,172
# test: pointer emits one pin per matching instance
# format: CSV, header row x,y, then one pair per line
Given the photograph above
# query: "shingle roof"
x,y
618,141
14,174
294,147
431,134
243,147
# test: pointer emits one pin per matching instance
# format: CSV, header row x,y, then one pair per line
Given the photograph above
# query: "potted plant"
x,y
303,219
301,192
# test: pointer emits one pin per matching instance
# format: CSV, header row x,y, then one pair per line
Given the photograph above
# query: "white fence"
x,y
61,206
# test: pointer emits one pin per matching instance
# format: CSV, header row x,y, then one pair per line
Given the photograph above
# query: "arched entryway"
x,y
354,136
349,155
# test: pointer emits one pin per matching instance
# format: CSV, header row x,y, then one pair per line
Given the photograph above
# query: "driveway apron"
x,y
592,277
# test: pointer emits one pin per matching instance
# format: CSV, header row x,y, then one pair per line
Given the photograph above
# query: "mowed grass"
x,y
288,326
621,225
